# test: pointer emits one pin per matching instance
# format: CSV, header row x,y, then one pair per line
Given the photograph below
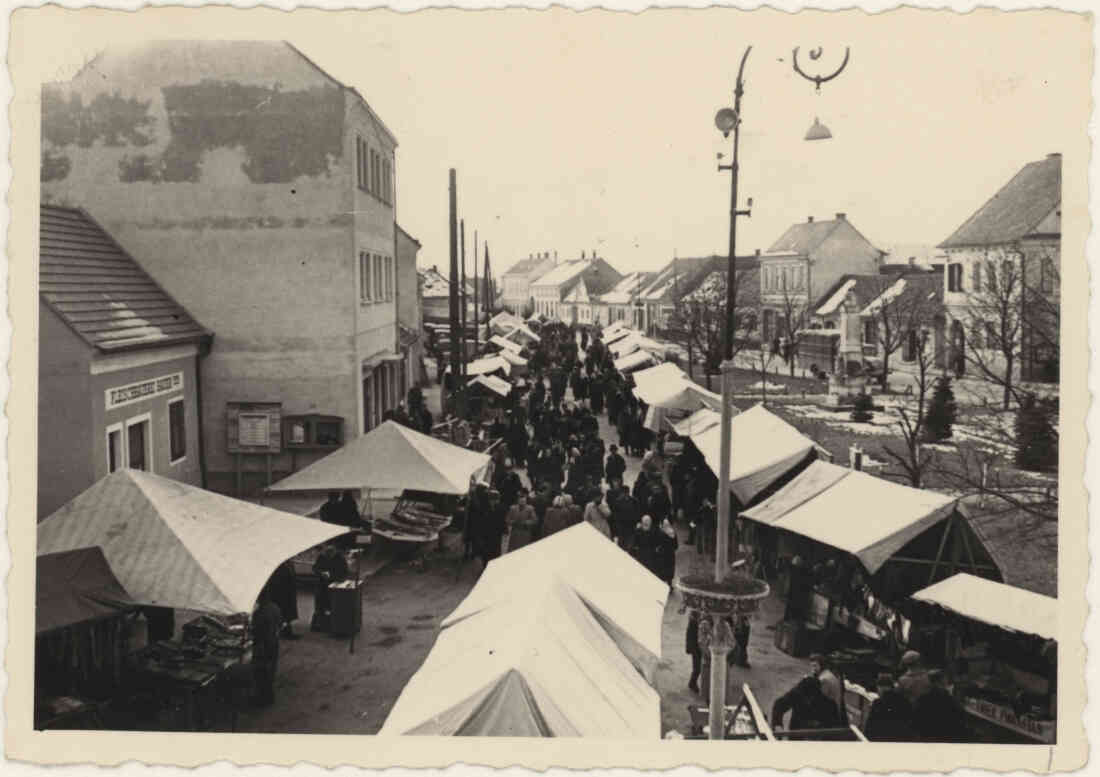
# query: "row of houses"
x,y
825,276
225,293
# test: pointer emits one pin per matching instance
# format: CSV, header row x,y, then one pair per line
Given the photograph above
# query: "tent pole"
x,y
969,549
939,553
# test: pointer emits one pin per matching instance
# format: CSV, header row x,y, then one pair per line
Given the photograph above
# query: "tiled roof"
x,y
675,275
804,237
915,291
526,266
864,287
1017,209
562,273
100,291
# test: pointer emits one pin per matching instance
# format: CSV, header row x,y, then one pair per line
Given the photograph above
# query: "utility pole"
x,y
465,337
477,310
455,364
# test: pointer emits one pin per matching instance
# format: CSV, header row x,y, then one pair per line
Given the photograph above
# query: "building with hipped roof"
x,y
806,260
1008,253
516,282
260,192
565,292
657,300
618,303
119,363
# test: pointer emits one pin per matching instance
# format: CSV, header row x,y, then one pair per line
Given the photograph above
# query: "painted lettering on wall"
x,y
1042,730
146,389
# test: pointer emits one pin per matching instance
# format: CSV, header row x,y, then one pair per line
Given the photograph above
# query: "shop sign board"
x,y
143,389
1040,730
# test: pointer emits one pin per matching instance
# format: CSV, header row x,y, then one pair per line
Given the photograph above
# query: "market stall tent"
x,y
698,422
390,456
612,329
625,597
995,604
634,360
76,586
486,365
520,332
506,344
174,545
618,335
494,384
535,667
504,321
764,449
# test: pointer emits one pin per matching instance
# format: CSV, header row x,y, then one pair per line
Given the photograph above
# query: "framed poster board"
x,y
254,427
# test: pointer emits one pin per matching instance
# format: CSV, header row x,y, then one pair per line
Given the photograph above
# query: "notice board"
x,y
254,427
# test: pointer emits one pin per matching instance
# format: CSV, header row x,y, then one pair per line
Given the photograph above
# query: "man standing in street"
x,y
616,465
890,718
265,648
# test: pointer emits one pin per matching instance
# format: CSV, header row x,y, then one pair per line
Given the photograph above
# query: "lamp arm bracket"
x,y
819,80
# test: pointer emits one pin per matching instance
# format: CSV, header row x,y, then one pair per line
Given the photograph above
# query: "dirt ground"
x,y
321,687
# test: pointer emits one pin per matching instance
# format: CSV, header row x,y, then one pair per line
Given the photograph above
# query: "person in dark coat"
x,y
330,567
658,503
625,515
809,706
938,716
557,517
691,647
510,485
265,648
616,465
797,598
596,390
283,587
542,500
645,547
741,630
665,545
890,718
330,510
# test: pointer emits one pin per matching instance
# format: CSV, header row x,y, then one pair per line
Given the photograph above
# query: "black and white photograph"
x,y
637,378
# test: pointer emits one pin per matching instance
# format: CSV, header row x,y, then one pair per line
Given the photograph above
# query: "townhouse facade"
x,y
516,282
1002,281
556,294
805,261
260,192
119,362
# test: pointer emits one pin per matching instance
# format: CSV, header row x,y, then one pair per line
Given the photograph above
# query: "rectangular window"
x,y
373,173
114,448
870,332
177,432
364,276
954,277
976,333
976,281
990,278
367,425
992,336
1046,277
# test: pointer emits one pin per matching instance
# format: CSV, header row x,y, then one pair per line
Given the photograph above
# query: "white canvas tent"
x,y
486,365
618,335
633,342
518,363
996,604
521,333
634,360
174,545
390,456
853,511
493,383
764,448
623,595
536,667
504,321
612,329
506,344
697,423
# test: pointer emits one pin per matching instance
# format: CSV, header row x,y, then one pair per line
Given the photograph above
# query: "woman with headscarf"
x,y
597,513
557,517
523,525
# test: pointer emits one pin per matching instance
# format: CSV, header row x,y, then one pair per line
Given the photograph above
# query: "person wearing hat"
x,y
832,685
937,715
810,708
557,517
509,485
914,679
490,537
615,466
596,513
890,718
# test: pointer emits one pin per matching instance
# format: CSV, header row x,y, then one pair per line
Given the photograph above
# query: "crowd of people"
x,y
575,475
913,704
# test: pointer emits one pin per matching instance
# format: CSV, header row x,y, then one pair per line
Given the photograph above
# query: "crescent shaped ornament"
x,y
815,54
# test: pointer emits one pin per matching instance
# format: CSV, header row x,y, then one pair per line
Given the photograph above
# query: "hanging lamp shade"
x,y
818,131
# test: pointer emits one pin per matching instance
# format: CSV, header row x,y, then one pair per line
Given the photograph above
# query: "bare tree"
x,y
793,321
899,305
701,316
913,459
1012,314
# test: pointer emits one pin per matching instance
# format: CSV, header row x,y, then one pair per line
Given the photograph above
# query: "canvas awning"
x,y
76,586
394,457
618,335
521,331
612,329
506,344
697,423
627,599
634,360
675,392
174,545
503,322
511,358
997,604
486,365
764,448
539,667
493,383
853,511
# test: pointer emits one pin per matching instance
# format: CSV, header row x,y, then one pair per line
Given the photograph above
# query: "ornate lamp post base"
x,y
735,595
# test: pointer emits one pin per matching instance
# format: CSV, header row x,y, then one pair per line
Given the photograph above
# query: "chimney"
x,y
758,252
582,254
855,457
913,262
810,220
841,216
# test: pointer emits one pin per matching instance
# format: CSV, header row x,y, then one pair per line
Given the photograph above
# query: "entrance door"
x,y
137,455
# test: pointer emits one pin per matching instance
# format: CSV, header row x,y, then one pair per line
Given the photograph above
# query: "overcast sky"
x,y
575,132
